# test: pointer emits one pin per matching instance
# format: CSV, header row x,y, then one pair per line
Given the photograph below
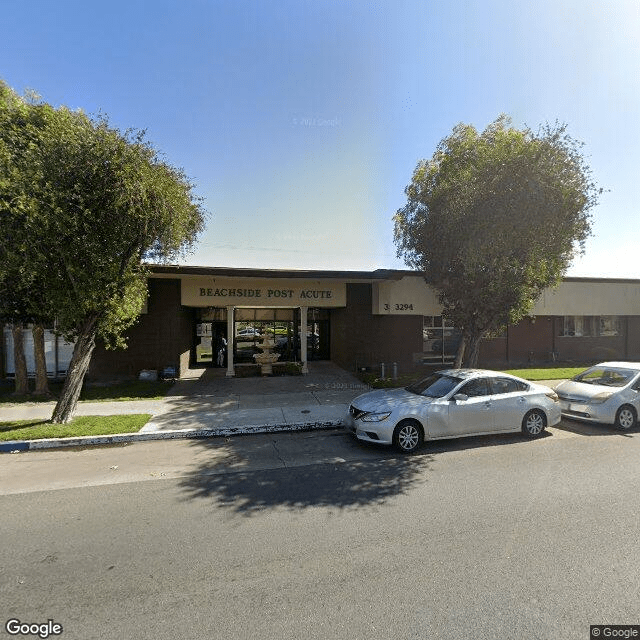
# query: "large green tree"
x,y
21,296
493,219
101,203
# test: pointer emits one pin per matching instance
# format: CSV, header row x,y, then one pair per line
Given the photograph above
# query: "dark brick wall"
x,y
493,353
591,349
538,342
531,340
162,337
362,339
633,338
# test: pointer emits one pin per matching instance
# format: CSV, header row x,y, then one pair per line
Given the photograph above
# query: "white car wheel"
x,y
408,436
534,423
625,418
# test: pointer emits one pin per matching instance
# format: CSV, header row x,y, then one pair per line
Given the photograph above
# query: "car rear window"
x,y
507,385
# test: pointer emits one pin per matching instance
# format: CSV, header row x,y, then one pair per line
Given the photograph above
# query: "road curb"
x,y
15,446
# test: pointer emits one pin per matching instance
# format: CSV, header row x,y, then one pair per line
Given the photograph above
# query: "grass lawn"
x,y
80,426
555,373
121,391
551,373
404,380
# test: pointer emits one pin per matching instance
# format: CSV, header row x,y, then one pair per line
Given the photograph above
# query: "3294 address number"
x,y
398,307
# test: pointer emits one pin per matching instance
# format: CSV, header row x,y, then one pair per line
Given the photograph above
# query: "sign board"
x,y
262,292
412,296
409,296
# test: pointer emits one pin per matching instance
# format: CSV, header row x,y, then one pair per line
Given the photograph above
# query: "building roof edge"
x,y
240,272
376,274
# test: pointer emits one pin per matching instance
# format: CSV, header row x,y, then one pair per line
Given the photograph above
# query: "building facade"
x,y
359,320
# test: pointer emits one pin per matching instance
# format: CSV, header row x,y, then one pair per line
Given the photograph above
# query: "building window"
x,y
251,327
609,326
589,326
213,314
440,340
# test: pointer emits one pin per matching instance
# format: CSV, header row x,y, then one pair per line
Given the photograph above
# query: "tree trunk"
x,y
82,352
42,384
473,351
19,360
460,353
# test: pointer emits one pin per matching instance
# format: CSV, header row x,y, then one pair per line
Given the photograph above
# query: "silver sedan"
x,y
608,393
450,404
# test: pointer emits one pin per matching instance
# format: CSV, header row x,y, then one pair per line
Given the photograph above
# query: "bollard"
x,y
395,370
382,370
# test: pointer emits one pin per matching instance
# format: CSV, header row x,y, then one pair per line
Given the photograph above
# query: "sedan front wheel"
x,y
408,436
626,418
534,423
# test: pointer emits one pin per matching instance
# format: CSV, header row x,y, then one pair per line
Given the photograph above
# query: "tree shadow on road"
x,y
339,472
372,480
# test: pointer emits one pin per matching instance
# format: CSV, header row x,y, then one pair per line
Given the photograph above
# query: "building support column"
x,y
303,339
230,340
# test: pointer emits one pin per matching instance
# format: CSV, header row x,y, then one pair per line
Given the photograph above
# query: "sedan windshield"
x,y
435,386
606,376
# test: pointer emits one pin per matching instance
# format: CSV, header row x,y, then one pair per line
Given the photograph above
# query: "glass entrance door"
x,y
318,334
210,337
251,327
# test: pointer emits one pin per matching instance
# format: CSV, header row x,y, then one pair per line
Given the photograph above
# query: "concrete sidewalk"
x,y
206,403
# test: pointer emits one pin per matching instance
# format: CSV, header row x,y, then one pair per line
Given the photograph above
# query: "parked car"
x,y
450,404
608,393
248,333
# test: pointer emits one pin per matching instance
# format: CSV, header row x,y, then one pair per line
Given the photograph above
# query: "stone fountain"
x,y
266,358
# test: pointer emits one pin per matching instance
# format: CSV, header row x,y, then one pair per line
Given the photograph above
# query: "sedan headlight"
x,y
601,397
375,417
553,395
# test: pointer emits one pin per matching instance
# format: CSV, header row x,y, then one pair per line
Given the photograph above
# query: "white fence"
x,y
57,351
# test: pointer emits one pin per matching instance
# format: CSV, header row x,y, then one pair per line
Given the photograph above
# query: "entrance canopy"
x,y
237,296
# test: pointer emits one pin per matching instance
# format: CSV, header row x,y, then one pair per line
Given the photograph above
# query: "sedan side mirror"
x,y
461,397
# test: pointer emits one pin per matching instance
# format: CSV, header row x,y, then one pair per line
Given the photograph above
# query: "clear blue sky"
x,y
301,122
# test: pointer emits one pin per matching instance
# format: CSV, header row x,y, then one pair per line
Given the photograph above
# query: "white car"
x,y
247,333
451,404
608,393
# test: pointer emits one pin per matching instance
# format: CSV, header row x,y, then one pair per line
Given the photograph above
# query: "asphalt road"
x,y
317,536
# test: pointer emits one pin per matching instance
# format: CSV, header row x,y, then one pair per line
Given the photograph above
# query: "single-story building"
x,y
357,319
